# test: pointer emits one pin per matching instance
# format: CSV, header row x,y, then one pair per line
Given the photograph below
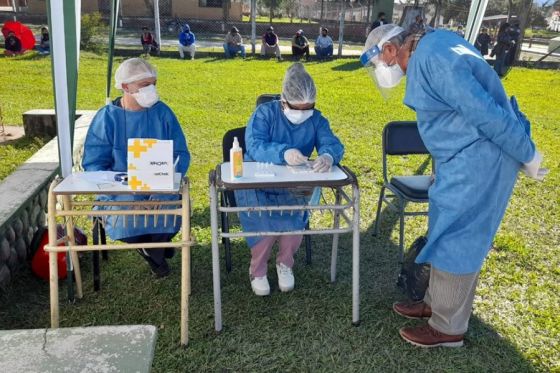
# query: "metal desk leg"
x,y
95,255
185,265
215,256
53,265
336,225
72,241
356,257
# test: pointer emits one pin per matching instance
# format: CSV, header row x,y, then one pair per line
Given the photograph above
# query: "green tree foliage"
x,y
93,28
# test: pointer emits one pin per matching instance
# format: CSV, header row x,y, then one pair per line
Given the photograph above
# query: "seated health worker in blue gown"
x,y
284,132
137,114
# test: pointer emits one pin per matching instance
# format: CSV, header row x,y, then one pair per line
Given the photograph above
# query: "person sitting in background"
x,y
482,42
270,44
137,114
45,44
234,44
186,42
324,45
149,44
300,46
284,132
418,25
380,21
460,31
12,45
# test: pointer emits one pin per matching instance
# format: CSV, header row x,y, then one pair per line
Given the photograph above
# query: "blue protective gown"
x,y
105,149
477,142
269,134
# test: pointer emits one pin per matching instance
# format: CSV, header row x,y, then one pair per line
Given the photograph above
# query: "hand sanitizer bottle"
x,y
236,160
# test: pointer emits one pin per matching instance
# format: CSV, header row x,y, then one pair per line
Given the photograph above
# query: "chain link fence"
x,y
210,20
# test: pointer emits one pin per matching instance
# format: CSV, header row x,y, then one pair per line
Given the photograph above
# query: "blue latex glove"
x,y
520,116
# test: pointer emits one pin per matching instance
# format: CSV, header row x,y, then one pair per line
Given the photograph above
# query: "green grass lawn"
x,y
515,325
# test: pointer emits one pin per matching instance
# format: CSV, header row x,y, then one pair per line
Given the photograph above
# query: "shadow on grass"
x,y
348,66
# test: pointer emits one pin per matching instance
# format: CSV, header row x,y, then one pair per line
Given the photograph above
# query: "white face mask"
x,y
388,76
146,96
298,116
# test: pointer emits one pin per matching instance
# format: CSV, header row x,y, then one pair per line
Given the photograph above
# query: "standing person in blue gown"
x,y
479,141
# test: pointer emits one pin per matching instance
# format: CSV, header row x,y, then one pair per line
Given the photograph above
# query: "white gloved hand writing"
x,y
323,163
533,169
293,157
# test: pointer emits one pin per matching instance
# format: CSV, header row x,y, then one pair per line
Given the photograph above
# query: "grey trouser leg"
x,y
450,297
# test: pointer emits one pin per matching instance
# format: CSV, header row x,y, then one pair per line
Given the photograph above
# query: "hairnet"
x,y
133,70
298,86
382,34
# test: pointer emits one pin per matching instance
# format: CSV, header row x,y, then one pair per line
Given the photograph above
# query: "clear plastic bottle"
x,y
236,160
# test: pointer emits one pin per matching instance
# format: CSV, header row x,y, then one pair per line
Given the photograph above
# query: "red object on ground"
x,y
23,33
40,261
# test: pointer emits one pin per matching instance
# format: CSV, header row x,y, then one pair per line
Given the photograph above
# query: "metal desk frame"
x,y
68,213
343,203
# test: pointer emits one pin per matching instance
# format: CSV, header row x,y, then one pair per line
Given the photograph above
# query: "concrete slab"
x,y
105,349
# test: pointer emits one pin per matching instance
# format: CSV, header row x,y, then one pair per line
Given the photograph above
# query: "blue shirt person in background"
x,y
187,42
284,132
324,45
137,114
479,141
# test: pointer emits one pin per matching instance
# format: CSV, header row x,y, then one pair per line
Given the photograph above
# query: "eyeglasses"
x,y
295,108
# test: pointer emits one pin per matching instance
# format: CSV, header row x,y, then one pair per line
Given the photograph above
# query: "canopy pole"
x,y
64,23
474,21
115,6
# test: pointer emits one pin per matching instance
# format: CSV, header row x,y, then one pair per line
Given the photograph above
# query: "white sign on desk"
x,y
150,164
282,174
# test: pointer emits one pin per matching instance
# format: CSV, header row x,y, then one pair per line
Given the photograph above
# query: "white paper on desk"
x,y
98,177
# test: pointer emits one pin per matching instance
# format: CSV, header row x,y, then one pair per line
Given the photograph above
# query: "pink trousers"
x,y
260,253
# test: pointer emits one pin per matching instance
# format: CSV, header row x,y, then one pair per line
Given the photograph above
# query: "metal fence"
x,y
210,20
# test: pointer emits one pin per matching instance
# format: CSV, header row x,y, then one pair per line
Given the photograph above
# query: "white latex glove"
x,y
293,157
323,163
533,169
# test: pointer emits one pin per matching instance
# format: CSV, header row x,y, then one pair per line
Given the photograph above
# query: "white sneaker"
x,y
286,279
260,286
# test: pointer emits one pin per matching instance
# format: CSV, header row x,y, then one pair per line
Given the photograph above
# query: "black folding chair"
x,y
227,198
399,139
267,98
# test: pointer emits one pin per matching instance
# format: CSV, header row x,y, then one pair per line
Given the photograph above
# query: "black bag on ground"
x,y
413,278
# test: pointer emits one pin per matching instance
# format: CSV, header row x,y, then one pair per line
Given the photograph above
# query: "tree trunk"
x,y
510,6
525,12
435,21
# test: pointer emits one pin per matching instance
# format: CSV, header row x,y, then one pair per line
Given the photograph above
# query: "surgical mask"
x,y
388,76
297,116
146,96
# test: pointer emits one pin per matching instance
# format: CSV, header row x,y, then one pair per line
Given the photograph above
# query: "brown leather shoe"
x,y
414,310
426,336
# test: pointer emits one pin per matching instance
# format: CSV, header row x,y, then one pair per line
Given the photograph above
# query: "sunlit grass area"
x,y
515,325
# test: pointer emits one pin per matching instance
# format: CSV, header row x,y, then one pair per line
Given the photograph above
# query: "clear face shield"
x,y
386,78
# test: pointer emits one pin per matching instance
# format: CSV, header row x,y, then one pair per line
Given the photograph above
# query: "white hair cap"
x,y
133,70
298,86
382,34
